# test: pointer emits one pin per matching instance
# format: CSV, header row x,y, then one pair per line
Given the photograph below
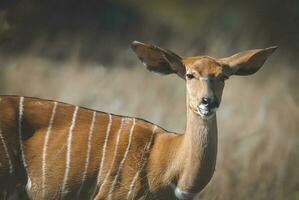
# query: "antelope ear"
x,y
247,62
159,60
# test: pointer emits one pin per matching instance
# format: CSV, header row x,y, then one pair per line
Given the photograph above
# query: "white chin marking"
x,y
206,114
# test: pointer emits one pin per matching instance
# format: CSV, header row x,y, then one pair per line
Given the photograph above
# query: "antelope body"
x,y
53,150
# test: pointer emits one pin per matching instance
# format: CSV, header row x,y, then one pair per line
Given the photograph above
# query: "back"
x,y
62,151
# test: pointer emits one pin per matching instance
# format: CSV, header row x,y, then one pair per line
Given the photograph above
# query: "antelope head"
x,y
205,76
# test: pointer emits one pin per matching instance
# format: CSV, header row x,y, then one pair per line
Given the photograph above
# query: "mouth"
x,y
205,112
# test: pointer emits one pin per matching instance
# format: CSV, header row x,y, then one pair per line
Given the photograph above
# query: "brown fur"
x,y
35,123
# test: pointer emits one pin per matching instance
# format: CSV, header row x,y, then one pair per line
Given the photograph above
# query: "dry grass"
x,y
258,120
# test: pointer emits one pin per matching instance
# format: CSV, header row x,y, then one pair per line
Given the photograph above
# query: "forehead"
x,y
203,65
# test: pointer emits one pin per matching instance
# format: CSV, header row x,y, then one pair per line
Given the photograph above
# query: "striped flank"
x,y
6,150
90,134
44,158
113,159
21,111
104,149
132,185
68,153
122,161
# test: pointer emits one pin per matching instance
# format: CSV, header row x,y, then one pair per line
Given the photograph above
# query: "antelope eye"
x,y
189,76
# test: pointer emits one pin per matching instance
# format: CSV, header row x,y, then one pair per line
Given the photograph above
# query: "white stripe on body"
x,y
68,153
29,184
45,147
104,149
6,150
122,161
90,134
20,120
113,159
132,185
21,111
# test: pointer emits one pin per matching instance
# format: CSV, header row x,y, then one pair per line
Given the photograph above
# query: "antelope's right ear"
x,y
156,59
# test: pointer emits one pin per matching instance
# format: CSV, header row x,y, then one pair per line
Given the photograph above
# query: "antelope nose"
x,y
210,102
205,101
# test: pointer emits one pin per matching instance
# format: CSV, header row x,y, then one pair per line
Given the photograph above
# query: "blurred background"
x,y
79,52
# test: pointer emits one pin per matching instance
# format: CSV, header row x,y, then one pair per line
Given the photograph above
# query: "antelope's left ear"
x,y
247,62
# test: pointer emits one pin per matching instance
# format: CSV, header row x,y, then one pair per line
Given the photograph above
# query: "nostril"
x,y
205,100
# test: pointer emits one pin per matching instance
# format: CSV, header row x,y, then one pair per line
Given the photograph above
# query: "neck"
x,y
186,160
198,151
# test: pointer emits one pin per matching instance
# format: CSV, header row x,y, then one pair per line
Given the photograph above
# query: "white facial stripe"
x,y
45,149
207,78
132,185
90,133
122,161
208,81
209,88
68,153
113,159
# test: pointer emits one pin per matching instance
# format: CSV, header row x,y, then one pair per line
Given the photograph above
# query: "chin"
x,y
206,117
